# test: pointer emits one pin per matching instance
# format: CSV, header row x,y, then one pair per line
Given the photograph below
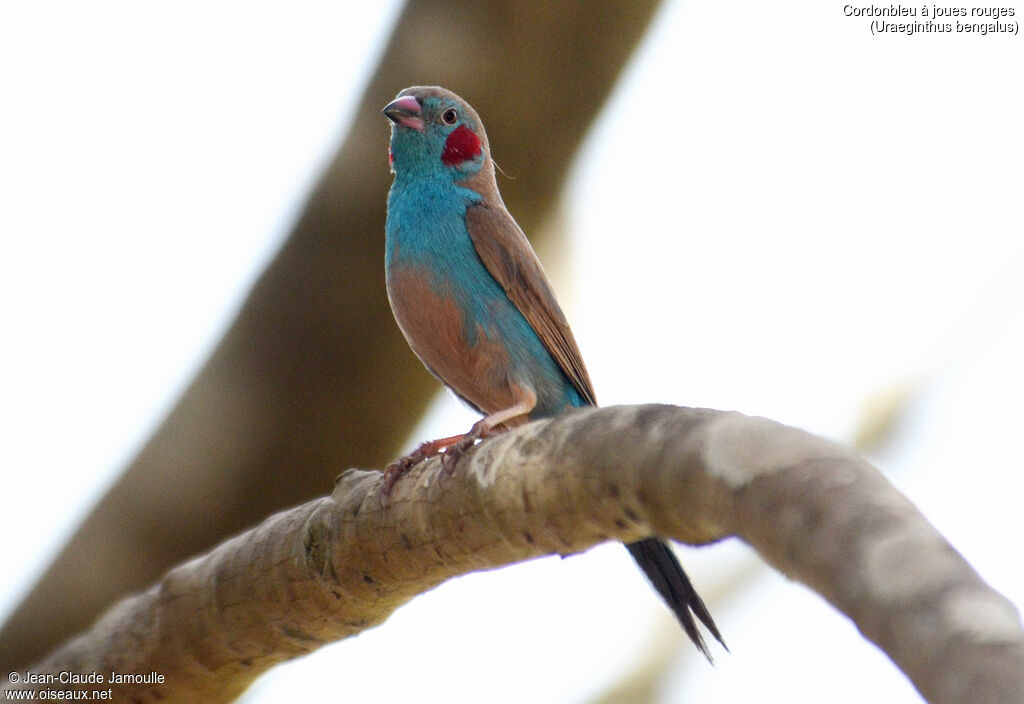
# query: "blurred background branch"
x,y
313,375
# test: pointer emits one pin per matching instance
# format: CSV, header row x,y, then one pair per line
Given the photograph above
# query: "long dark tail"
x,y
662,568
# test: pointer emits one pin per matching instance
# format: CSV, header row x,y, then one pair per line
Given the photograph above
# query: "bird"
x,y
473,301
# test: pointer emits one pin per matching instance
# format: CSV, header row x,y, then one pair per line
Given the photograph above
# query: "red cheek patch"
x,y
461,145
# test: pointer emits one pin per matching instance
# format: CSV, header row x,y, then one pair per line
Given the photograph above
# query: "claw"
x,y
394,471
455,446
453,454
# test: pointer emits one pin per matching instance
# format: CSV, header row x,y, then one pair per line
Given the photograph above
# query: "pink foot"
x,y
394,471
453,454
481,429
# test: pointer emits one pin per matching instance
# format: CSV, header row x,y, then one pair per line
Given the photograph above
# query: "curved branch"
x,y
335,566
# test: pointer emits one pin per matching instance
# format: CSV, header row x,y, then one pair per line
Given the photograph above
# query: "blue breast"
x,y
426,230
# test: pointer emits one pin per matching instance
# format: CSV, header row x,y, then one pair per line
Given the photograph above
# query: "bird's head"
x,y
434,131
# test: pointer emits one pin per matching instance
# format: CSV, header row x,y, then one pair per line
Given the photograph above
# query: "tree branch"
x,y
330,568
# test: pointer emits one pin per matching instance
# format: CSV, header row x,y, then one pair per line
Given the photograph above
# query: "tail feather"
x,y
662,568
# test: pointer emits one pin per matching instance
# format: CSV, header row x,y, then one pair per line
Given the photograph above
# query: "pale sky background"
x,y
778,213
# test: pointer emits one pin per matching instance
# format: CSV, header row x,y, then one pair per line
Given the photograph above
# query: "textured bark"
x,y
337,565
313,374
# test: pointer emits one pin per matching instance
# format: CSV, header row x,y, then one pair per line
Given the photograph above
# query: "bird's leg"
x,y
488,426
394,471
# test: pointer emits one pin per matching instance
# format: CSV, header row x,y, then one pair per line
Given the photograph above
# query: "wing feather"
x,y
510,259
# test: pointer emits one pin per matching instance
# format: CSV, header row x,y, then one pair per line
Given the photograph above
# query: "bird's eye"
x,y
450,116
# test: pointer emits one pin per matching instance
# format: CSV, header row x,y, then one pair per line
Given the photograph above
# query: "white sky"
x,y
779,213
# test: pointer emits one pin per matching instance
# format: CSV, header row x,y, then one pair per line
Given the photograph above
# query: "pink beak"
x,y
405,112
